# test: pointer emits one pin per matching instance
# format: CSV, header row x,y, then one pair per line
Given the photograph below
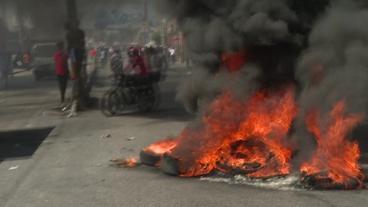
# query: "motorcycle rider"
x,y
103,52
137,64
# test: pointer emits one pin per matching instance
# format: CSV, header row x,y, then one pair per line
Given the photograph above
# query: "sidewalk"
x,y
72,166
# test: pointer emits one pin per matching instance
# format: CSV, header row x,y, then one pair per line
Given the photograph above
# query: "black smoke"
x,y
272,32
320,46
334,67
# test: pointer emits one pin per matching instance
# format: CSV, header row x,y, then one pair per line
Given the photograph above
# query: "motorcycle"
x,y
132,90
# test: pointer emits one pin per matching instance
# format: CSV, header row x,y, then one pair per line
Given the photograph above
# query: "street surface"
x,y
71,167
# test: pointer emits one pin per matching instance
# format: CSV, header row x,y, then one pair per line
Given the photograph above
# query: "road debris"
x,y
106,136
131,139
126,163
127,149
13,168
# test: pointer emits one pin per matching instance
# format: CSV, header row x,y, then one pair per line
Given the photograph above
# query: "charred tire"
x,y
148,158
170,165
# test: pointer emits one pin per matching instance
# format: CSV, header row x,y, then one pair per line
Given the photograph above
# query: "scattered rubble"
x,y
13,168
106,136
125,163
131,139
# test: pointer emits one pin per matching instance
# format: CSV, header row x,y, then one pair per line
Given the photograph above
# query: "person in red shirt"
x,y
27,59
93,53
61,69
137,63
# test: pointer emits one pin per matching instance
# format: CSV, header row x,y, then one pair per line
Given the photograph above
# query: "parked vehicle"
x,y
43,61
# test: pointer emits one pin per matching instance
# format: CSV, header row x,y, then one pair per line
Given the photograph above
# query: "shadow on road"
x,y
166,114
168,110
21,144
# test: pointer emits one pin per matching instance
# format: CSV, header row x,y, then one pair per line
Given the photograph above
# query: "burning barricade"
x,y
251,138
292,92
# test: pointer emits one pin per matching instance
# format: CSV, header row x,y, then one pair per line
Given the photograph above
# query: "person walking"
x,y
61,69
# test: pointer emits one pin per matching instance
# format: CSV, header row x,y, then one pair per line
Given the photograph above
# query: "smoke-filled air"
x,y
279,88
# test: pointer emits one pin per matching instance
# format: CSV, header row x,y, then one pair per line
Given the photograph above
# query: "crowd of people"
x,y
132,59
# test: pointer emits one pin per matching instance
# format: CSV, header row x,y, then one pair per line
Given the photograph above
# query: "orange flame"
x,y
265,118
161,147
251,137
127,163
336,156
131,162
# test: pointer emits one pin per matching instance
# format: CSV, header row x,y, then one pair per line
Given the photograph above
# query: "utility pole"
x,y
72,10
145,21
145,10
21,31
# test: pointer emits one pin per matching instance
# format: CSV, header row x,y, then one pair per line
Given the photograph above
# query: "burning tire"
x,y
153,154
320,183
149,158
170,165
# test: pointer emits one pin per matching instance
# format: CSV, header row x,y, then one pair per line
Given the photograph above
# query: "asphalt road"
x,y
71,168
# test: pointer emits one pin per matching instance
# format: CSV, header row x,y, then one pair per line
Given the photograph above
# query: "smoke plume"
x,y
272,32
335,65
321,46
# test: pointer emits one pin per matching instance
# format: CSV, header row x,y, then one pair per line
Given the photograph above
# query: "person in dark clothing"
x,y
75,38
61,69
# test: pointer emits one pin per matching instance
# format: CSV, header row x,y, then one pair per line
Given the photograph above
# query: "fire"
x,y
161,147
251,137
131,162
268,121
245,135
127,163
336,157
